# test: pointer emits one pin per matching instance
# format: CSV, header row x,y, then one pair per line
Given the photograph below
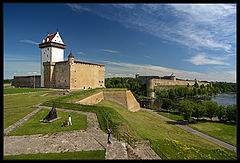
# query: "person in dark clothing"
x,y
109,135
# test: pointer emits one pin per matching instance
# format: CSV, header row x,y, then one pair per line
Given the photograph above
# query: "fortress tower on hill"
x,y
57,73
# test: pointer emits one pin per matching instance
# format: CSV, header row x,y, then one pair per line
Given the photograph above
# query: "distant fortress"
x,y
154,81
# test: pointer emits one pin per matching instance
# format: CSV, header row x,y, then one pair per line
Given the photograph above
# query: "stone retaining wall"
x,y
123,97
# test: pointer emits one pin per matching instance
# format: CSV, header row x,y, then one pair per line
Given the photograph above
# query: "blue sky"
x,y
190,40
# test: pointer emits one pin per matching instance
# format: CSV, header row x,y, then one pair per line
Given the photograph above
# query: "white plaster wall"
x,y
57,39
57,54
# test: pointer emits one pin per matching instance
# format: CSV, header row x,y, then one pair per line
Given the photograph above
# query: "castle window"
x,y
65,81
58,81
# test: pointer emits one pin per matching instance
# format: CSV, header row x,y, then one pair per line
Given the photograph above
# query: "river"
x,y
225,99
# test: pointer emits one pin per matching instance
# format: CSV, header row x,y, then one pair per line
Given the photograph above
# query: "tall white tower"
x,y
52,50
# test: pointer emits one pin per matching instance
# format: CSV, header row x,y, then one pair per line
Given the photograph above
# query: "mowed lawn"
x,y
24,90
34,126
81,155
166,135
221,131
171,116
23,100
12,116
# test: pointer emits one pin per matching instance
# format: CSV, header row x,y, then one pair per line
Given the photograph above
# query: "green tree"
x,y
185,108
196,84
231,112
167,103
202,86
211,109
199,110
172,93
221,112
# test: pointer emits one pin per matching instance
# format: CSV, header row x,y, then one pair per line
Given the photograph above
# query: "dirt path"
x,y
185,127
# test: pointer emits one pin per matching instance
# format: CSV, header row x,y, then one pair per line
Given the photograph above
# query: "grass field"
x,y
171,116
82,155
157,130
24,90
12,116
23,100
34,126
221,131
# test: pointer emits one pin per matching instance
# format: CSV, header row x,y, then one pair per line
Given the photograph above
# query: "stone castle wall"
x,y
27,81
62,75
86,76
123,97
74,75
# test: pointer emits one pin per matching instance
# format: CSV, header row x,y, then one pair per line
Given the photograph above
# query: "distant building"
x,y
57,73
154,81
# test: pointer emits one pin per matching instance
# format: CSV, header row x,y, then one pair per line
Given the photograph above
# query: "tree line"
x,y
188,91
136,88
199,109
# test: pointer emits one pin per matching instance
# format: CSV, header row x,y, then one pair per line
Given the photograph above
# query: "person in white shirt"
x,y
69,120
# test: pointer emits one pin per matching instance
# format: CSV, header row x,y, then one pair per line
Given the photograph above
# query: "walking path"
x,y
185,127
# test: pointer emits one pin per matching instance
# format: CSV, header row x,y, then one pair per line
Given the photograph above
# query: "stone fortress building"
x,y
154,81
57,73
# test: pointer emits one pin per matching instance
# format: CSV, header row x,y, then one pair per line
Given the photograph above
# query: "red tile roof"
x,y
50,37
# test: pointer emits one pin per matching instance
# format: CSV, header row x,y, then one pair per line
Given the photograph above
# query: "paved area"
x,y
185,127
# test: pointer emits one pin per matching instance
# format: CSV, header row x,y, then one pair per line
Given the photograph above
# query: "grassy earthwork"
x,y
81,155
172,141
33,125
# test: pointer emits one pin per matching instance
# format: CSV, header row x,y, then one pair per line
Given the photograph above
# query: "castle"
x,y
57,73
155,81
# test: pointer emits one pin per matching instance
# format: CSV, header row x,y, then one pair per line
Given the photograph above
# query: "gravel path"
x,y
185,127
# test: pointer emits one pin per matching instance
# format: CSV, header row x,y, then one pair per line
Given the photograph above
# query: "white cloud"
x,y
109,51
29,42
211,26
77,7
203,59
81,53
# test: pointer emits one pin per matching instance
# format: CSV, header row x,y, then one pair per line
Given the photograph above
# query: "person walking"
x,y
69,120
109,135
